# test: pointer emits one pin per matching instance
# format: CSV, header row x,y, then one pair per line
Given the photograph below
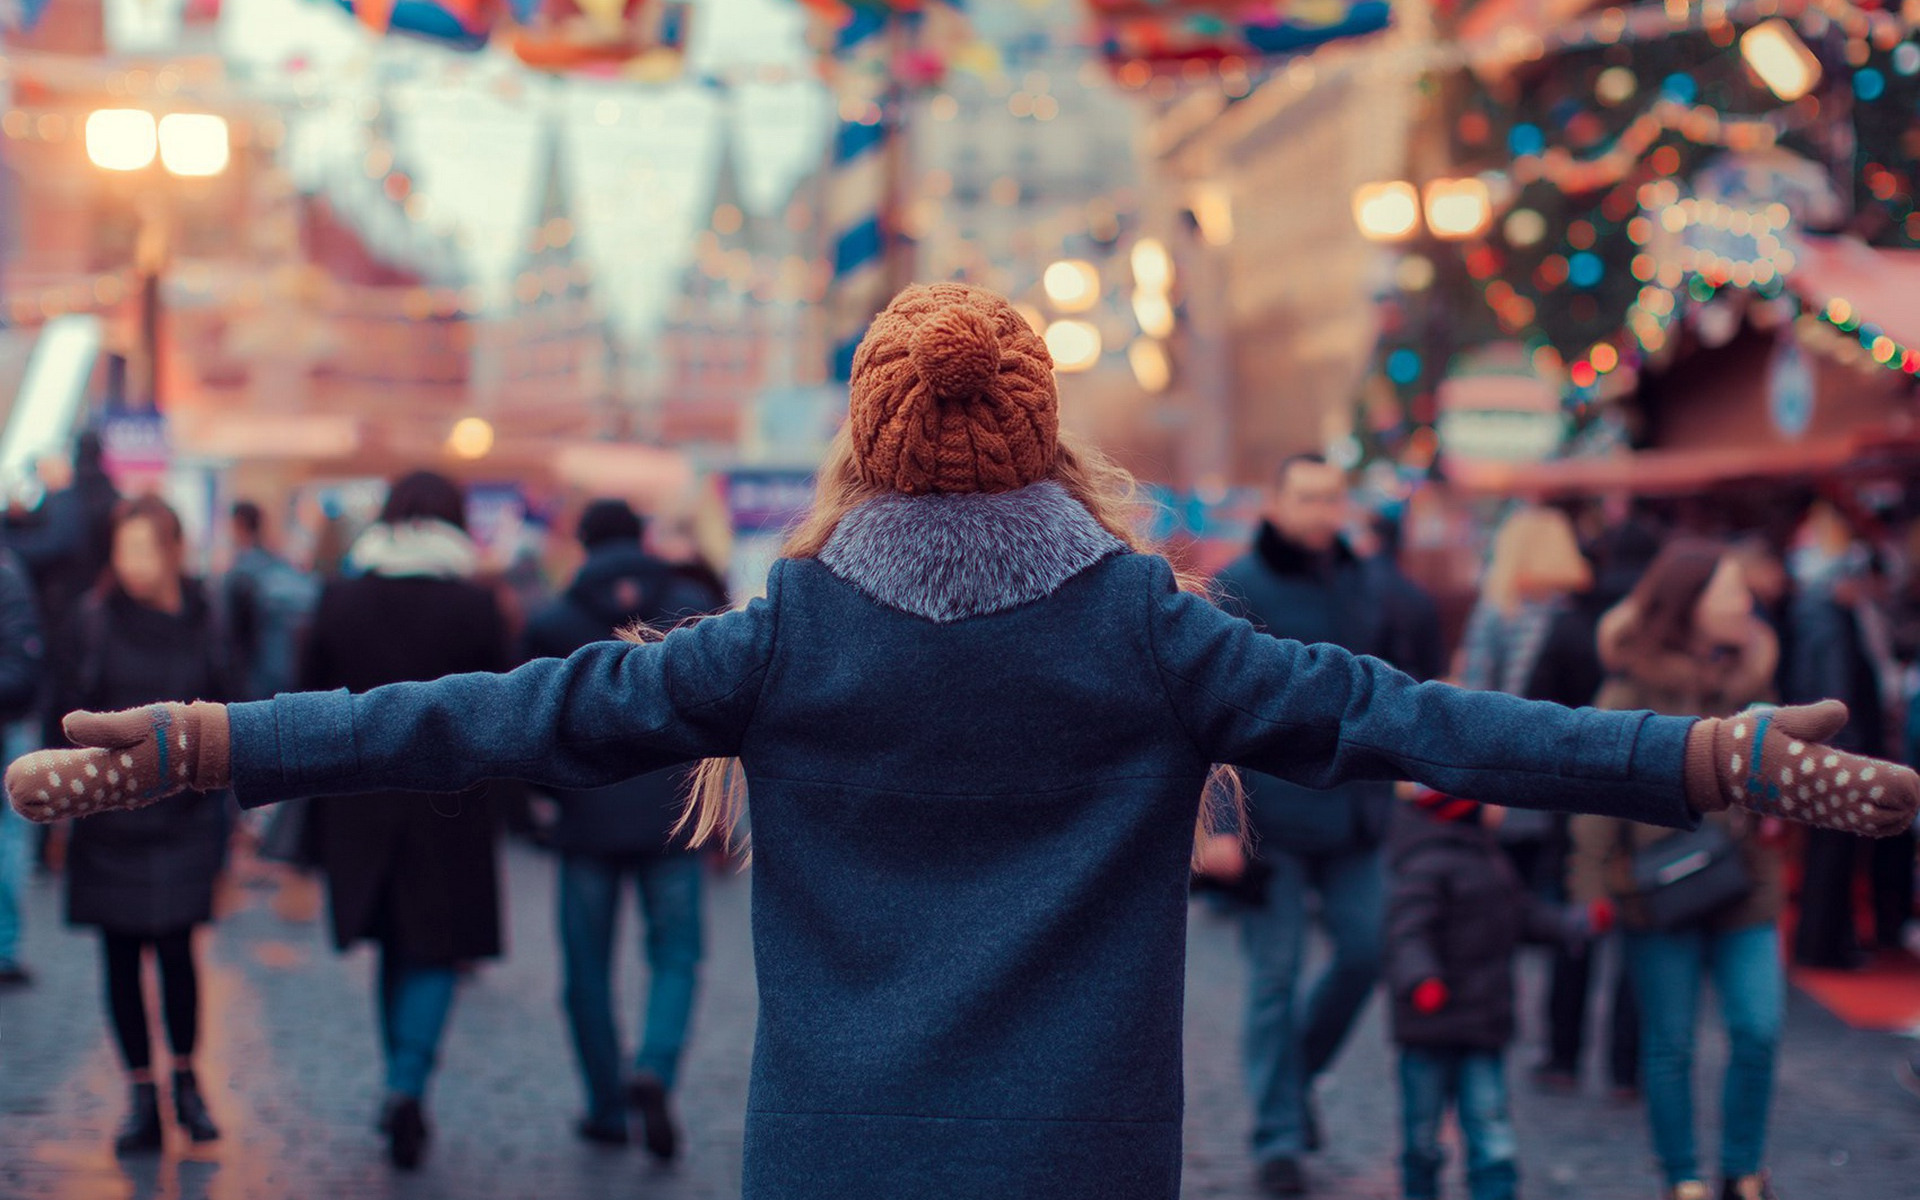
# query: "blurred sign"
x,y
767,500
1494,407
135,450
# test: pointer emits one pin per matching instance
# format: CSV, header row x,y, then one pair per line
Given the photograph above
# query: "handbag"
x,y
1683,880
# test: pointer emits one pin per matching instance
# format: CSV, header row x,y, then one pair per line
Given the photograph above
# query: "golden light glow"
x,y
1073,284
1386,212
1153,312
1780,59
194,145
1151,370
472,437
1075,345
1152,266
1458,209
121,139
1213,213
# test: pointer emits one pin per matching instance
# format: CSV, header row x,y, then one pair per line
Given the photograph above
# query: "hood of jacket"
x,y
415,550
619,583
947,557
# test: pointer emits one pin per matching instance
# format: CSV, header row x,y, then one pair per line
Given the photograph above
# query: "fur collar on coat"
x,y
1673,681
949,557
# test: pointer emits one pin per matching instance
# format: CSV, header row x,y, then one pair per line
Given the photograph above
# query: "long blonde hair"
x,y
1535,554
716,795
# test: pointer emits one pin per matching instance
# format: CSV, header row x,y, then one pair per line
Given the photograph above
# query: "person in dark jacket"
x,y
606,834
975,719
1828,650
416,874
65,542
22,662
1457,914
1301,581
145,879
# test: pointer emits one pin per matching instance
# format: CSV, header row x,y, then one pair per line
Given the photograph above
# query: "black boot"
x,y
647,1093
405,1125
141,1133
190,1111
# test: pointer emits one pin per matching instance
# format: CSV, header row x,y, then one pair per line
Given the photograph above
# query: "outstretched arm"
x,y
610,712
1318,716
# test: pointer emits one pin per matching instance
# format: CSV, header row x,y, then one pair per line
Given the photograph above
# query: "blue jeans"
x,y
1474,1082
1288,1046
1748,977
414,1001
669,893
16,850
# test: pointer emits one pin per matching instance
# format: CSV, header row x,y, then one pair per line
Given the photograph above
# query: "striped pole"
x,y
862,184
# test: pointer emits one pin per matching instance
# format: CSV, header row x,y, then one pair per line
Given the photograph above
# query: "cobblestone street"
x,y
290,1065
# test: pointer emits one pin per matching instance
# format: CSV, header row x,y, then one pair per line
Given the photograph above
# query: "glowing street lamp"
x,y
1075,346
1072,284
472,438
121,139
194,145
1458,209
1780,59
1151,370
1153,312
1386,212
1152,266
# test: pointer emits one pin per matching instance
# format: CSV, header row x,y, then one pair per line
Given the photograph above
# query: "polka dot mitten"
x,y
1774,762
127,760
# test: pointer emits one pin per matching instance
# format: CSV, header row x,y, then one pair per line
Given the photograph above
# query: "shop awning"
x,y
1882,287
1681,472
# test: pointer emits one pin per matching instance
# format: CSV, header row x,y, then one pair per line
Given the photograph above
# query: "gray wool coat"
x,y
976,732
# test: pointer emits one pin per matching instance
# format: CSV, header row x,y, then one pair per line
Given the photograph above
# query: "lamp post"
x,y
185,145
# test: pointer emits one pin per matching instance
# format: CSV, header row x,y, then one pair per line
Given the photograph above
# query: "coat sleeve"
x,y
1414,915
608,713
1319,716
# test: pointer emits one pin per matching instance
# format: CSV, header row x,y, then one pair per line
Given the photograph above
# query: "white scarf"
x,y
416,549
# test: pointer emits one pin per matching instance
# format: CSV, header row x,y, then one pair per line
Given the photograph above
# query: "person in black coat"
x,y
22,667
1302,580
145,879
1828,649
1457,913
418,874
606,834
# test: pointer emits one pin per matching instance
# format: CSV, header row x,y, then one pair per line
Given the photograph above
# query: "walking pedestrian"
x,y
1688,640
22,659
976,719
606,835
269,602
145,878
415,874
1303,581
1457,914
1831,616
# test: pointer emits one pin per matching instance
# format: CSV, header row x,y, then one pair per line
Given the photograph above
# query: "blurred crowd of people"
x,y
1433,895
1430,895
99,611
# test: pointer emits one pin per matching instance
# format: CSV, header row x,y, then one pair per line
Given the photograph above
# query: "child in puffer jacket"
x,y
1456,915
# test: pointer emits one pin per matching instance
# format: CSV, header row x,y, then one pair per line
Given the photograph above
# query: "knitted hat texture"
x,y
953,391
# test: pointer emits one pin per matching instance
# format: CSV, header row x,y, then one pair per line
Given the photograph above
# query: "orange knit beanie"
x,y
953,391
